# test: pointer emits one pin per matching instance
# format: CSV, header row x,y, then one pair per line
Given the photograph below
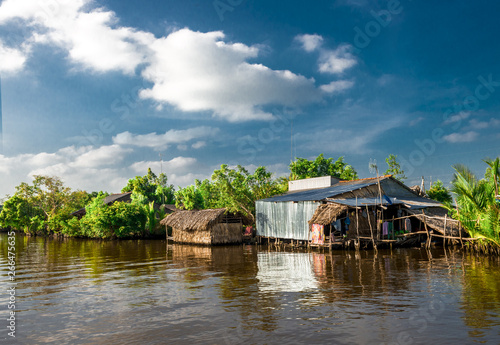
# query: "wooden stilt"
x,y
445,218
428,244
357,225
371,228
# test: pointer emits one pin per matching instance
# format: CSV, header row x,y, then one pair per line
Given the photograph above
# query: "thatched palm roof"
x,y
194,219
327,213
434,218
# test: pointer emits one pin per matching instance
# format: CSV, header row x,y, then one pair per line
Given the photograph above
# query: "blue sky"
x,y
98,91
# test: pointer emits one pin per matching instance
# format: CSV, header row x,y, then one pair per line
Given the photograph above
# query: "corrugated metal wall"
x,y
285,220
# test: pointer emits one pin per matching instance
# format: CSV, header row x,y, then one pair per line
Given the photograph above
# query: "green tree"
x,y
262,185
118,220
235,189
151,188
17,213
189,198
303,168
232,190
394,168
50,202
439,193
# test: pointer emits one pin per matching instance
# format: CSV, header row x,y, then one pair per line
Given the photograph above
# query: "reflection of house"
x,y
109,200
286,272
214,226
348,209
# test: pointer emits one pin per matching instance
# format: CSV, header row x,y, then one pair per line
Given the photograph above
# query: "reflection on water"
x,y
135,292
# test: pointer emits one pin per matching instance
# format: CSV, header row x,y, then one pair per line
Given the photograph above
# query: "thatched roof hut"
x,y
327,213
213,226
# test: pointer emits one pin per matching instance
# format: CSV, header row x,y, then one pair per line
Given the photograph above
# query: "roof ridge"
x,y
365,179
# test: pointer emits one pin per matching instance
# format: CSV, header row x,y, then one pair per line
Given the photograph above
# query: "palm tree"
x,y
477,208
495,170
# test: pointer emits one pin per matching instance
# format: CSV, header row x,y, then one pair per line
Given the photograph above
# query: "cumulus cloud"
x,y
92,169
90,37
197,71
309,42
336,61
11,60
178,165
337,86
192,71
85,168
181,171
160,142
461,137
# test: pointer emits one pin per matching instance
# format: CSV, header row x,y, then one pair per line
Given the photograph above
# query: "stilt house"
x,y
371,208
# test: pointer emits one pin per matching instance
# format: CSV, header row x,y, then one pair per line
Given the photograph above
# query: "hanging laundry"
x,y
407,225
318,234
390,228
385,229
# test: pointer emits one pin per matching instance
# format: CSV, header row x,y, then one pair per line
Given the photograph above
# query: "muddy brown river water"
x,y
147,292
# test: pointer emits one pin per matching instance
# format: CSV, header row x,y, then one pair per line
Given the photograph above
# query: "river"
x,y
75,291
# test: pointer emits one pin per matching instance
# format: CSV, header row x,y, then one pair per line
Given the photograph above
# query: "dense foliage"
x,y
45,206
439,193
41,207
477,207
150,188
234,189
117,220
303,168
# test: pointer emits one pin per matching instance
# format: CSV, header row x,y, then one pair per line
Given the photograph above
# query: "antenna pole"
x,y
291,147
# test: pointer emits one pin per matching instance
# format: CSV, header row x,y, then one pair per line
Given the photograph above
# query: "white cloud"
x,y
197,71
103,156
89,37
463,115
484,124
178,165
161,141
11,60
92,169
461,137
336,61
85,168
199,144
192,71
337,86
309,42
181,171
330,61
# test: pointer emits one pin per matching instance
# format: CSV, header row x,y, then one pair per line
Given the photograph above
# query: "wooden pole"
x,y
357,224
445,218
460,232
428,244
393,230
371,228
